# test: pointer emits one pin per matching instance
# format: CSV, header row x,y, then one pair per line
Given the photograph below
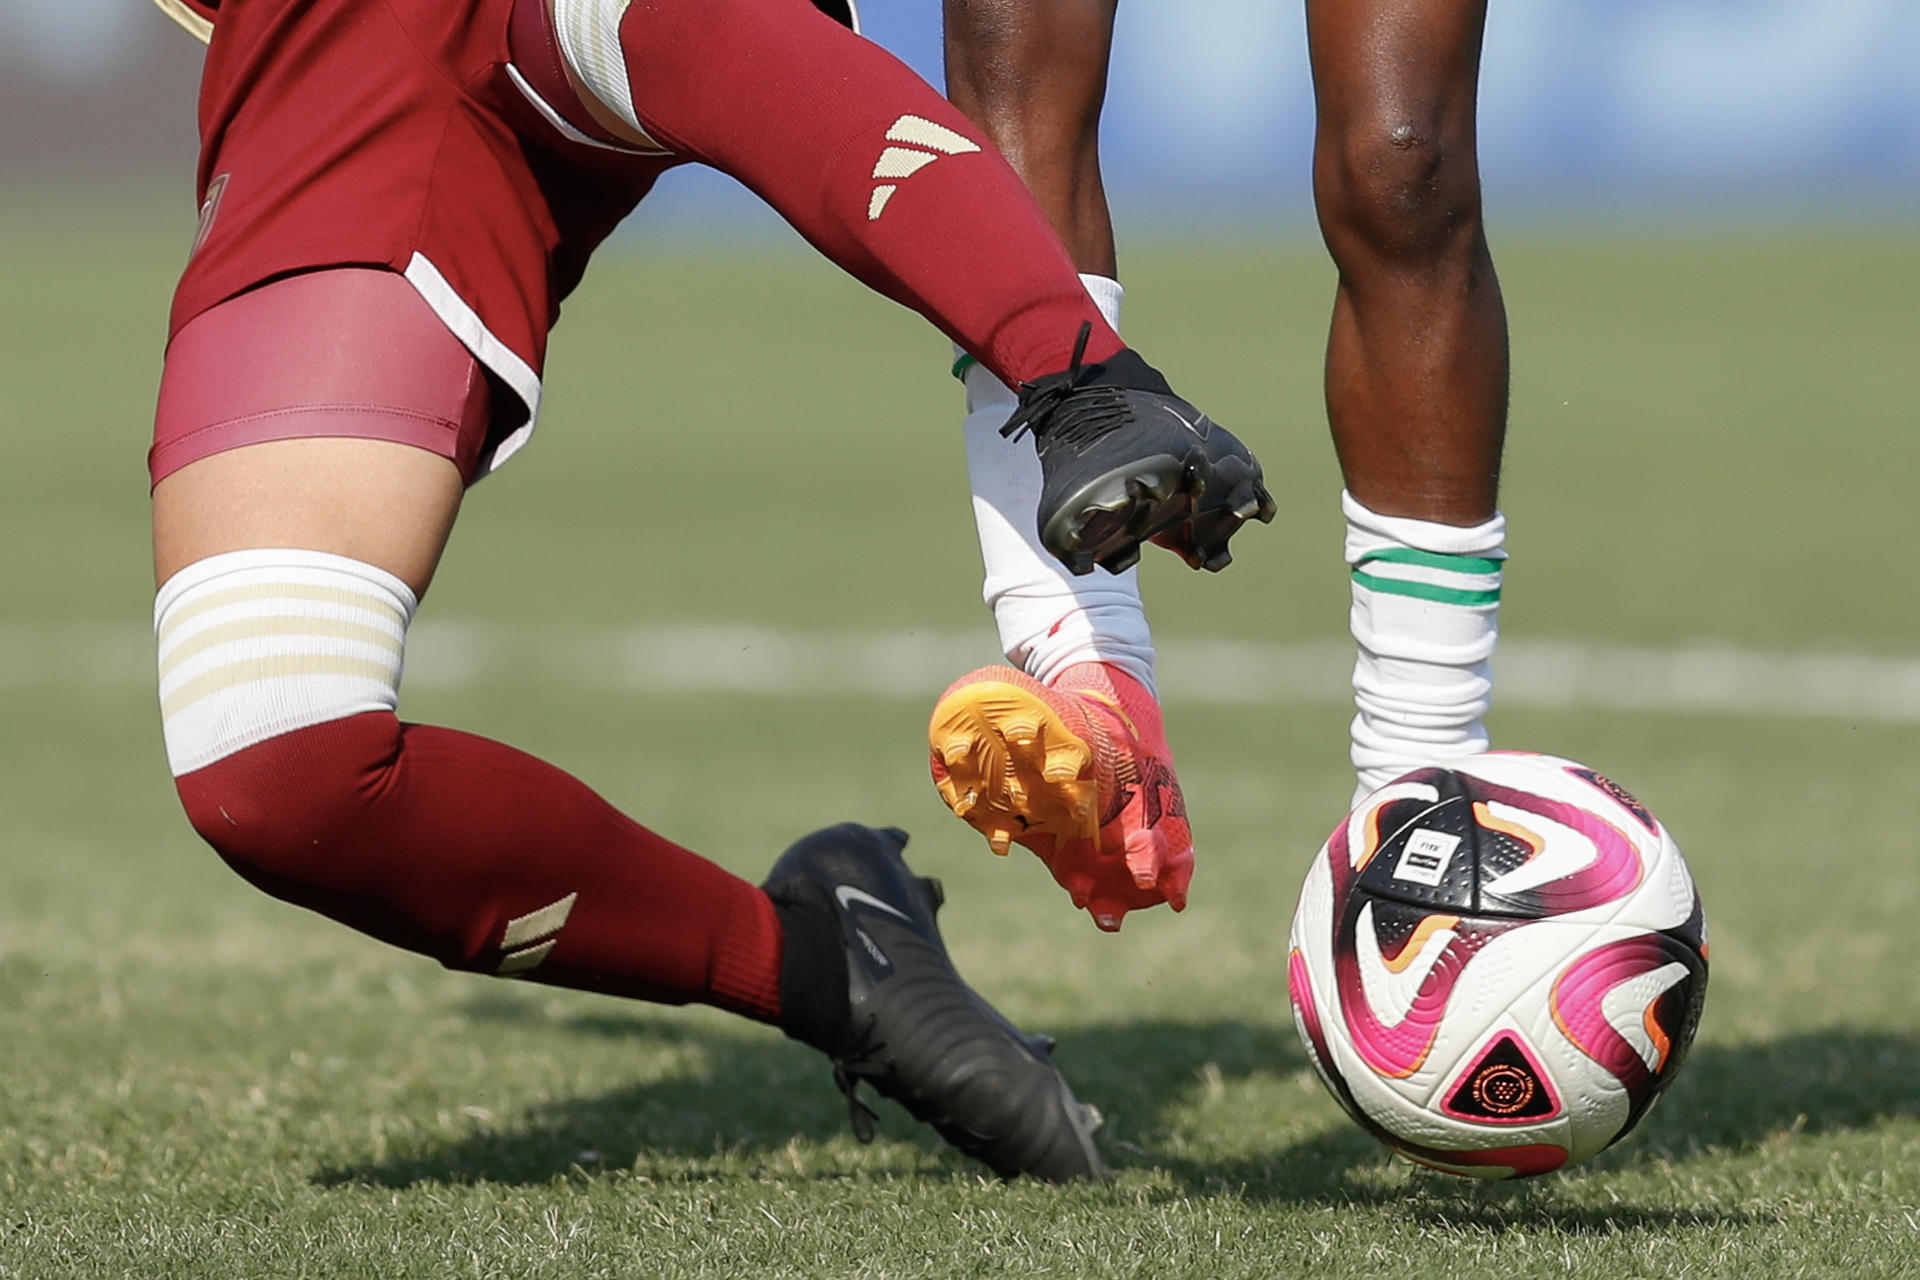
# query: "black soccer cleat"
x,y
910,1026
1123,460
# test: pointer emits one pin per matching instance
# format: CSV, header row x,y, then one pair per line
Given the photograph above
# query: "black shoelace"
x,y
847,1075
1097,410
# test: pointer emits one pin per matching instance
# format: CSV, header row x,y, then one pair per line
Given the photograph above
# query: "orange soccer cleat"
x,y
1077,771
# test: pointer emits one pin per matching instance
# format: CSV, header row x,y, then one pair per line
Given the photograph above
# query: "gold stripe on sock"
x,y
537,924
248,670
256,628
521,961
278,591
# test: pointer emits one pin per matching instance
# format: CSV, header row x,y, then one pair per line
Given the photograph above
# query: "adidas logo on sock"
x,y
529,938
929,141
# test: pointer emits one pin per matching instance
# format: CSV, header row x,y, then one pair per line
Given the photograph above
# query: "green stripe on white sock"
x,y
1428,575
1426,600
1434,560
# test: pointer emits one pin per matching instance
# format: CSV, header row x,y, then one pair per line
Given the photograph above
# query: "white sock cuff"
x,y
1107,294
984,391
254,644
1369,533
249,567
1425,616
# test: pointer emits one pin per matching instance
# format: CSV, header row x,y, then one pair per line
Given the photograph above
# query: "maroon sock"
x,y
486,859
799,109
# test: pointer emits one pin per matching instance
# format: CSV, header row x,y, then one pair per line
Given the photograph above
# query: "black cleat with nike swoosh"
x,y
1123,460
911,1026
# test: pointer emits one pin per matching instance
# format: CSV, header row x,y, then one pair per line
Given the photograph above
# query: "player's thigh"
x,y
388,505
1411,63
327,412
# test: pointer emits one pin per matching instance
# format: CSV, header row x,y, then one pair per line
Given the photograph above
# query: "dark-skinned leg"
x,y
1417,356
1416,379
1033,74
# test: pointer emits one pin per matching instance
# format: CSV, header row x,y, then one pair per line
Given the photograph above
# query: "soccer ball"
x,y
1497,966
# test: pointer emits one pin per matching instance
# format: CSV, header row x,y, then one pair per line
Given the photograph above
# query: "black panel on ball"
x,y
1430,855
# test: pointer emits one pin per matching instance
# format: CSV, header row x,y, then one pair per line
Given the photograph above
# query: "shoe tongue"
x,y
1126,370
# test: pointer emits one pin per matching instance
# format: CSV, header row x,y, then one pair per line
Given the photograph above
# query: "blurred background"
x,y
1703,213
1616,108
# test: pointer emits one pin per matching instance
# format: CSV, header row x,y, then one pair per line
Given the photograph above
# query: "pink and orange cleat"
x,y
1077,771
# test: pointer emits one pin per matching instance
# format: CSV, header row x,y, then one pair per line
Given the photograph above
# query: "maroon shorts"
x,y
401,136
349,352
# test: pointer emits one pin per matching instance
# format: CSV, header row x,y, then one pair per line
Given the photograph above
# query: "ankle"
x,y
814,1006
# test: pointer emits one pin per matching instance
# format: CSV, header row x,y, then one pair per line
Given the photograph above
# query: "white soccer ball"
x,y
1498,966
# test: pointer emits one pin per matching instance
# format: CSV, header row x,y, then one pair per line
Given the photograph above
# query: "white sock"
x,y
1048,619
254,644
1426,607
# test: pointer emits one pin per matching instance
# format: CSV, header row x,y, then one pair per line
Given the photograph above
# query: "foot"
x,y
1124,461
912,1027
1077,771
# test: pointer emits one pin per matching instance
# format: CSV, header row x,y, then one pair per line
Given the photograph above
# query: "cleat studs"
x,y
1147,857
964,805
1107,921
1148,487
1217,561
1061,766
1000,841
1122,560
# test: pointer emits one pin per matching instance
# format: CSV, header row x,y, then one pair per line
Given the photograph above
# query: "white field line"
x,y
918,664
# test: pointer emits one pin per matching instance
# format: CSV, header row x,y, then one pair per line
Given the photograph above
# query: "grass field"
x,y
1713,443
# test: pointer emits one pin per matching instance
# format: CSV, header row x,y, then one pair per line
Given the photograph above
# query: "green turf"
x,y
1712,440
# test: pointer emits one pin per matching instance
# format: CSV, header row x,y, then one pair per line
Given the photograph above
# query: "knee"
x,y
283,812
1400,190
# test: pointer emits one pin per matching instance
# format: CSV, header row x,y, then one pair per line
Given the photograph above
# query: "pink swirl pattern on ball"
x,y
1615,871
1578,1001
1300,988
1401,1049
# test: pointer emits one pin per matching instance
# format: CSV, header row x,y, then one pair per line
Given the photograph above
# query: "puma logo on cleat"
x,y
923,143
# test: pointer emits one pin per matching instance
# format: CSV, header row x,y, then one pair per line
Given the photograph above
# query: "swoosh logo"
x,y
1194,427
847,895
